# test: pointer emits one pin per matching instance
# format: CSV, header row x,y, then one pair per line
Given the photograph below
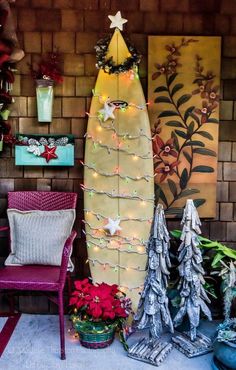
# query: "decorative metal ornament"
x,y
191,289
153,312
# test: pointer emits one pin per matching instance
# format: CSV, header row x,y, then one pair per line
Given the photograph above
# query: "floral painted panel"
x,y
184,84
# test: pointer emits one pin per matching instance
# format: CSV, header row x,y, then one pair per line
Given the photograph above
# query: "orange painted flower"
x,y
168,169
159,147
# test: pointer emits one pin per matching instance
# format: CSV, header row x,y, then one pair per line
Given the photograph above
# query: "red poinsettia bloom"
x,y
206,111
159,147
167,170
99,302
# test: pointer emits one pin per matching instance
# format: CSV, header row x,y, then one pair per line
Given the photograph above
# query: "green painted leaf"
x,y
176,88
199,202
188,111
195,117
187,156
171,78
183,179
175,211
174,124
191,128
183,99
181,134
172,187
206,169
205,134
162,99
167,113
212,120
205,151
176,141
160,195
187,192
160,89
194,143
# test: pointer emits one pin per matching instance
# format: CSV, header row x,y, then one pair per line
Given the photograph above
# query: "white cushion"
x,y
38,237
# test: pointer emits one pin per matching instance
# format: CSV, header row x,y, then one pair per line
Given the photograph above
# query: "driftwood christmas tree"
x,y
153,311
191,285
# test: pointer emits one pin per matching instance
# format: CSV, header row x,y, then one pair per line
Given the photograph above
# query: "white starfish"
x,y
107,111
117,21
112,226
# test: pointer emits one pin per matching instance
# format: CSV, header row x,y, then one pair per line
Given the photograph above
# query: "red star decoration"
x,y
49,153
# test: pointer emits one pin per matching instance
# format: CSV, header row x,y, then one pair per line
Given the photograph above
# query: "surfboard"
x,y
118,178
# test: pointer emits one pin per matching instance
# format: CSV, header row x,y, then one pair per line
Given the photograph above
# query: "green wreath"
x,y
108,65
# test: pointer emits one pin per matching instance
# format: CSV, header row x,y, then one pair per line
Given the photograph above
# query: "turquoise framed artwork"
x,y
46,150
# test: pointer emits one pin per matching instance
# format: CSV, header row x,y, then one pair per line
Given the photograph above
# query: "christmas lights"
x,y
124,135
117,173
114,248
111,148
117,195
99,216
119,237
115,266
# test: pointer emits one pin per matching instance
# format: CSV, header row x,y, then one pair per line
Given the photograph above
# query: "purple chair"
x,y
39,277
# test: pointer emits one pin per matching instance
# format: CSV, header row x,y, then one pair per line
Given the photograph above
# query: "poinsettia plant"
x,y
48,68
99,303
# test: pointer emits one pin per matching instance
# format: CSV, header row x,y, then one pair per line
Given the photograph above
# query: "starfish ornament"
x,y
117,21
112,226
107,111
49,153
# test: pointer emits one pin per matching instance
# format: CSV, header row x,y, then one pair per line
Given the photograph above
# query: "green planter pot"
x,y
95,334
44,96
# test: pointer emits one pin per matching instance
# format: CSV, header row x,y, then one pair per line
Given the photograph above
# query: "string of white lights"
x,y
124,135
135,196
130,289
119,237
117,173
114,266
118,148
114,248
99,216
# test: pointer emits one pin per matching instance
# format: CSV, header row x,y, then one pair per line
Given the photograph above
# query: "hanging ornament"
x,y
49,153
112,226
107,112
34,149
117,21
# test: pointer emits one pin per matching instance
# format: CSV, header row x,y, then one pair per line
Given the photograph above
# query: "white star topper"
x,y
117,21
107,111
112,226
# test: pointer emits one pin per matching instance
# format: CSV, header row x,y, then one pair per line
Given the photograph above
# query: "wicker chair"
x,y
38,277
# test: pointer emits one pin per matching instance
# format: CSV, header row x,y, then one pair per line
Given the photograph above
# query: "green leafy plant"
x,y
221,251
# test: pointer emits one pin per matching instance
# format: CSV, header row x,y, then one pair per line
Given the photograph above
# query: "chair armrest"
x,y
65,257
4,228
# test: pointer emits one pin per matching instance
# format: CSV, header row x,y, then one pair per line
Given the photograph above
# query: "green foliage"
x,y
221,250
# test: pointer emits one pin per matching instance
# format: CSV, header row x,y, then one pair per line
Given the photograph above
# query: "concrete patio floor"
x,y
35,345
